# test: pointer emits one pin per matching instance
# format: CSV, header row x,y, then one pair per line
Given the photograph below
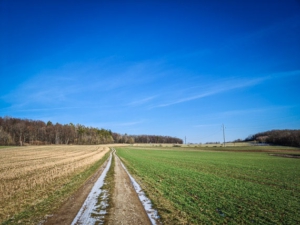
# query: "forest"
x,y
15,131
119,138
277,137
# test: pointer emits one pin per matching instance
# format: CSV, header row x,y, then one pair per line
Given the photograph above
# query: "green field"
x,y
203,186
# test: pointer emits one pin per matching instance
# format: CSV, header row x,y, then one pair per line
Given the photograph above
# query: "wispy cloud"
x,y
224,86
185,99
249,111
142,101
78,84
42,90
130,74
216,89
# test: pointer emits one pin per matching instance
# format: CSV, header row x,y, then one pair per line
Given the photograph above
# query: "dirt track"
x,y
127,208
70,208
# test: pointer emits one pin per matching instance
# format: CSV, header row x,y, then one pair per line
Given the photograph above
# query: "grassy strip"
x,y
199,187
110,186
34,214
105,201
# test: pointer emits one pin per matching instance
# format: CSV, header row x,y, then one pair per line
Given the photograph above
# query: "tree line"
x,y
131,139
277,137
15,131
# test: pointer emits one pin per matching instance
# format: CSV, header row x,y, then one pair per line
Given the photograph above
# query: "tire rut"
x,y
127,208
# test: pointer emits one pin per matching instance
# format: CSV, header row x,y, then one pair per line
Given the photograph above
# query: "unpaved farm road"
x,y
126,208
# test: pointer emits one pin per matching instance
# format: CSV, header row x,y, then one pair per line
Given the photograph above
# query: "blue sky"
x,y
178,68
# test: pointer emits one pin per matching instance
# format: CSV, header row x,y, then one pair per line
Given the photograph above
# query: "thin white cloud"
x,y
244,112
59,85
228,85
142,101
184,100
222,87
42,90
134,74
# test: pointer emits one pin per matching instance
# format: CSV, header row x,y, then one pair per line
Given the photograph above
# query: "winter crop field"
x,y
213,186
34,180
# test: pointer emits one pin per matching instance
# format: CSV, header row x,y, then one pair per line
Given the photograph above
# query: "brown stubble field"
x,y
28,175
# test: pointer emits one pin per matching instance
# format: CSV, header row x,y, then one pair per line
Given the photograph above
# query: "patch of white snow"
x,y
84,216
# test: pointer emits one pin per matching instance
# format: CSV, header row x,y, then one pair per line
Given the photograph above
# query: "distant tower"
x,y
224,135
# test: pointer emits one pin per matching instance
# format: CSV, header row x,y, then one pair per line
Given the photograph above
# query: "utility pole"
x,y
185,140
224,135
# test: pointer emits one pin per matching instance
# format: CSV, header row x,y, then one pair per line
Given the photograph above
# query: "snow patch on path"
x,y
84,216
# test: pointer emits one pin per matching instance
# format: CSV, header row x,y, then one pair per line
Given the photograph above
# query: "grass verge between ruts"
x,y
108,190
